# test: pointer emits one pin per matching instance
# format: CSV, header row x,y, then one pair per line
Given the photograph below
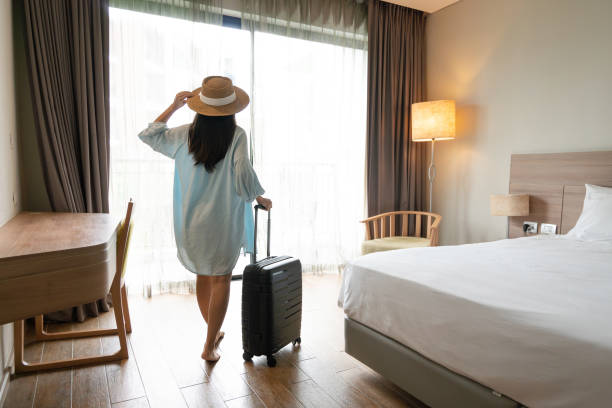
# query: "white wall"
x,y
9,175
528,76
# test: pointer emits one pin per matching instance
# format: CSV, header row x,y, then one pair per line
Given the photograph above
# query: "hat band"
x,y
218,101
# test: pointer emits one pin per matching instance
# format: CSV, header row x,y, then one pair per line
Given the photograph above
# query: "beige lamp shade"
x,y
433,120
510,205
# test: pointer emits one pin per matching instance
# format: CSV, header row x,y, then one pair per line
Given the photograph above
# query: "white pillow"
x,y
595,222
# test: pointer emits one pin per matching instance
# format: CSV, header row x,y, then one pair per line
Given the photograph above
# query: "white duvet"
x,y
530,318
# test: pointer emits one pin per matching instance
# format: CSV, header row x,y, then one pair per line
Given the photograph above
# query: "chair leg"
x,y
23,366
43,335
18,334
126,310
118,309
39,327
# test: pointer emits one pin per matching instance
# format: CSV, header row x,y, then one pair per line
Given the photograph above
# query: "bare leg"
x,y
203,294
219,298
203,288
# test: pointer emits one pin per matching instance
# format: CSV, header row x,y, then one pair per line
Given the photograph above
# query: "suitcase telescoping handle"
x,y
254,254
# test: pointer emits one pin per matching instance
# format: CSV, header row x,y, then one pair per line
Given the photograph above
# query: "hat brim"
x,y
196,104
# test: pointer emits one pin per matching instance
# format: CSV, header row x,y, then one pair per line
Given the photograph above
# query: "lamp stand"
x,y
431,173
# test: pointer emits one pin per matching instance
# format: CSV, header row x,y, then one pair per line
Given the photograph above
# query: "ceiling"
x,y
428,6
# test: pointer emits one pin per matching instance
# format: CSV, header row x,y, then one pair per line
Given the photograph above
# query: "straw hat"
x,y
218,97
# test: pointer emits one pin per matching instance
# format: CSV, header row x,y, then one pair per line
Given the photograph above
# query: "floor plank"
x,y
344,394
371,385
249,401
159,384
123,377
22,388
385,386
89,384
202,395
311,395
226,380
284,371
133,403
54,387
181,340
225,374
273,392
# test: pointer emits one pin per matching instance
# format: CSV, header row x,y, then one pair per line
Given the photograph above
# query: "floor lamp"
x,y
433,121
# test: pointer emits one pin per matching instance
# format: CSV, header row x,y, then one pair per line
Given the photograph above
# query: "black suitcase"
x,y
271,303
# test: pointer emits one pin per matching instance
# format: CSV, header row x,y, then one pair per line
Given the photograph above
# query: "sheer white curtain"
x,y
308,136
151,59
309,146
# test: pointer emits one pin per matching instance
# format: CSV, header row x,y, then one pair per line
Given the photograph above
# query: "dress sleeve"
x,y
245,180
163,140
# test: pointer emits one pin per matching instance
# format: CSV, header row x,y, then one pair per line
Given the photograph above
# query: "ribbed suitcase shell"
x,y
271,304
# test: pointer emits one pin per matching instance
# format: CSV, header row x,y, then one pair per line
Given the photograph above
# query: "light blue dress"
x,y
212,212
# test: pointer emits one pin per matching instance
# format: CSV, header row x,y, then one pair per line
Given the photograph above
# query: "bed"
x,y
502,324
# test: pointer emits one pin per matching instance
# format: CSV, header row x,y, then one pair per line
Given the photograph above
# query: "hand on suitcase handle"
x,y
264,203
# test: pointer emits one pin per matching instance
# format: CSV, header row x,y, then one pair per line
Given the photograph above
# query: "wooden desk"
x,y
52,261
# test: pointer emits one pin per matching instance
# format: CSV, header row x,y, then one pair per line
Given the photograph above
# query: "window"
x,y
308,135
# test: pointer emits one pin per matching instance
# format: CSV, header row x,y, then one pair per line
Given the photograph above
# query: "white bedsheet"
x,y
530,318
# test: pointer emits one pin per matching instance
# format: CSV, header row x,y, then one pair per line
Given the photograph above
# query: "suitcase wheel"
x,y
297,341
247,356
271,361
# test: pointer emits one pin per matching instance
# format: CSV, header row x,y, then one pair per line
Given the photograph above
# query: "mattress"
x,y
530,318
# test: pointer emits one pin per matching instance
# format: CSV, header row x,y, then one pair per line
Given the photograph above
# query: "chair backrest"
x,y
123,240
384,225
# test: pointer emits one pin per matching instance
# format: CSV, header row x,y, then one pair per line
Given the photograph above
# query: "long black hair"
x,y
209,139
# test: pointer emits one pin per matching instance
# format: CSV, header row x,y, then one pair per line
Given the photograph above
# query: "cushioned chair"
x,y
388,231
120,306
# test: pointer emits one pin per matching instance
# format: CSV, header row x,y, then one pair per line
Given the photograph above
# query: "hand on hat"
x,y
181,99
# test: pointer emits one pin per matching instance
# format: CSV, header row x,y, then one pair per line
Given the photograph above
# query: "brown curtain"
x,y
396,77
68,68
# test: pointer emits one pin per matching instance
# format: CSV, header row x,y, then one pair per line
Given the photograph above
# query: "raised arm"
x,y
179,101
159,137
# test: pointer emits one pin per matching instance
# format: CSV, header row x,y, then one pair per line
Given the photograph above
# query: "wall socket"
x,y
548,229
530,227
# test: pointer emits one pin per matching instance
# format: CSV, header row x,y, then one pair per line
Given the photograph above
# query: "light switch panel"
x,y
530,227
548,229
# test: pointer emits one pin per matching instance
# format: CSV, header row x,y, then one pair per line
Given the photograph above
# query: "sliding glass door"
x,y
307,125
309,145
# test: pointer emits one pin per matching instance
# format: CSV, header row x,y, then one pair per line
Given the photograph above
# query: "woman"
x,y
213,184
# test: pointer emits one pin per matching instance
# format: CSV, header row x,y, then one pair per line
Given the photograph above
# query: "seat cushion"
x,y
389,243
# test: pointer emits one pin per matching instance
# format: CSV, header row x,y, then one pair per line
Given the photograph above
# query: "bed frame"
x,y
555,183
424,379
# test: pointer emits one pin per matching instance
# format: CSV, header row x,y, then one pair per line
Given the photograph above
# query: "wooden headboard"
x,y
555,183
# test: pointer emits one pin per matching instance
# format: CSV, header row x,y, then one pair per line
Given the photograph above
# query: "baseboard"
x,y
6,376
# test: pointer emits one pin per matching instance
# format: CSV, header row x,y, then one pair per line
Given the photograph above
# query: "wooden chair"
x,y
120,307
382,233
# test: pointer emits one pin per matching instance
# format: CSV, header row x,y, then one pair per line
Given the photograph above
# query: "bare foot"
x,y
219,337
211,356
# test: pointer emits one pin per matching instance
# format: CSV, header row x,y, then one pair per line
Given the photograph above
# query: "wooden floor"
x,y
165,370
